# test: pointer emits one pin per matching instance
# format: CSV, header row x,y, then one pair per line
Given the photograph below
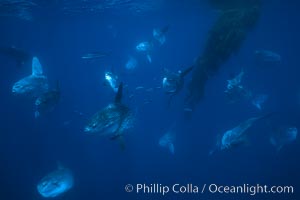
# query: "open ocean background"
x,y
31,148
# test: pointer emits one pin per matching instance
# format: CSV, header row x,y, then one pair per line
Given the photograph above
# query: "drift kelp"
x,y
225,38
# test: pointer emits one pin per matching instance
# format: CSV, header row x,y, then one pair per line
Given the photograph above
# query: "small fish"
x,y
167,141
67,123
96,55
149,90
235,91
131,63
148,101
139,88
160,34
266,56
188,110
236,81
145,47
78,112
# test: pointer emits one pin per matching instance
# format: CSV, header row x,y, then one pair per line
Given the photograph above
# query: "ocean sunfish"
x,y
167,141
34,84
56,183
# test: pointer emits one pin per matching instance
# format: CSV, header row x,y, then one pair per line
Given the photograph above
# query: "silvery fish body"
x,y
112,120
236,135
56,183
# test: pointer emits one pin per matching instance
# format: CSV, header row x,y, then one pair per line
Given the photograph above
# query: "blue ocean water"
x,y
61,32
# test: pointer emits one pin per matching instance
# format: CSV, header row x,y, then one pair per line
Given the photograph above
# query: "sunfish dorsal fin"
x,y
186,71
37,69
57,85
119,94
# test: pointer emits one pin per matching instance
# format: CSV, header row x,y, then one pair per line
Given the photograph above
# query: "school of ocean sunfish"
x,y
117,118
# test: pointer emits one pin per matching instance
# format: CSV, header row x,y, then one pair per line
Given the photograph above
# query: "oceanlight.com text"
x,y
250,189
